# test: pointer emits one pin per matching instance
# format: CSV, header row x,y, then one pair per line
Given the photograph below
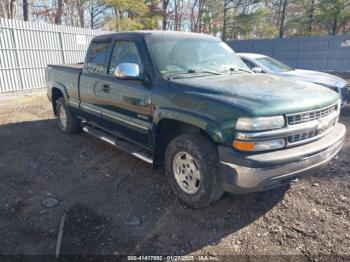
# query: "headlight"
x,y
260,123
258,145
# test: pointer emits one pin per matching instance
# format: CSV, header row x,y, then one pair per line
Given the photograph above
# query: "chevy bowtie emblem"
x,y
323,124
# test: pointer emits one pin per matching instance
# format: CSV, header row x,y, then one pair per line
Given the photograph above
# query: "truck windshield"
x,y
273,64
174,56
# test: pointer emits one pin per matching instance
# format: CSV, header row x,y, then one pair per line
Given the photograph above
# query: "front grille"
x,y
302,127
311,115
309,134
344,94
303,136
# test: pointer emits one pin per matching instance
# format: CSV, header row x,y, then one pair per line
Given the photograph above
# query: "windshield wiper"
x,y
192,71
237,69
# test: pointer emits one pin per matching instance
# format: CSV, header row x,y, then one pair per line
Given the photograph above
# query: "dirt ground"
x,y
116,204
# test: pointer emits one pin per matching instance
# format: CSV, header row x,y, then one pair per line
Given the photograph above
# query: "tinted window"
x,y
97,57
125,52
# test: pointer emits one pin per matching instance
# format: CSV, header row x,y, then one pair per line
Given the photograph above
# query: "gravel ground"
x,y
116,204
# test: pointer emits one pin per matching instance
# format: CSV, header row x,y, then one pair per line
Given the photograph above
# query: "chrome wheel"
x,y
62,115
186,172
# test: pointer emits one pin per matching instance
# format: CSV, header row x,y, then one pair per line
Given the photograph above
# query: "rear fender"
x,y
62,89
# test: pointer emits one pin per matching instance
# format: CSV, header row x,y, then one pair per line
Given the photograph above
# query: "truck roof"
x,y
156,33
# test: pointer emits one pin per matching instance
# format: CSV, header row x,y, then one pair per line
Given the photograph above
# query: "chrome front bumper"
x,y
242,173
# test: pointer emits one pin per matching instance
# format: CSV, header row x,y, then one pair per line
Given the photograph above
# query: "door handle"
x,y
105,88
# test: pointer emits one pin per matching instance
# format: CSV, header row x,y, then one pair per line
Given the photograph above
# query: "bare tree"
x,y
233,5
178,14
8,8
25,10
193,16
196,15
97,11
201,5
278,10
59,12
74,12
49,11
283,17
165,4
311,12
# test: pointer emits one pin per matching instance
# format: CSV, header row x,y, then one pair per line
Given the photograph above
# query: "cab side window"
x,y
125,52
97,58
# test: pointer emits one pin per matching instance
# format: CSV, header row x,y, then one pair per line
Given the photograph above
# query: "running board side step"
x,y
119,143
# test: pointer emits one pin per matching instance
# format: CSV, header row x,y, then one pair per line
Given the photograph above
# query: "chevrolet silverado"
x,y
187,102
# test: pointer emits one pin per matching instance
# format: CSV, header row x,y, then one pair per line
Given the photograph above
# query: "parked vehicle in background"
x,y
187,102
265,64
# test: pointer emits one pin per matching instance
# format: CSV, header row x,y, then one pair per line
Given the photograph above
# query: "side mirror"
x,y
127,71
257,70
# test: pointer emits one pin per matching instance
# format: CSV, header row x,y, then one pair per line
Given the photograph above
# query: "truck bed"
x,y
66,76
78,66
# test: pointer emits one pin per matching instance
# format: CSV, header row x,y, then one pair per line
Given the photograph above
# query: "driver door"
x,y
126,103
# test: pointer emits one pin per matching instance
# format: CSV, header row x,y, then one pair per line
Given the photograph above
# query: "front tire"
x,y
191,167
67,122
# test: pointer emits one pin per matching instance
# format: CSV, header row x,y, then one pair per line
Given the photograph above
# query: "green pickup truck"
x,y
186,102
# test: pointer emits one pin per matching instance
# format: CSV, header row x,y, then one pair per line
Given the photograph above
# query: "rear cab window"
x,y
97,57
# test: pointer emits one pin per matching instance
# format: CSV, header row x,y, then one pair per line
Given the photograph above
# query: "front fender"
x,y
206,124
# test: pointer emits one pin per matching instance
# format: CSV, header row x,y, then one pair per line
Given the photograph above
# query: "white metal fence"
x,y
26,48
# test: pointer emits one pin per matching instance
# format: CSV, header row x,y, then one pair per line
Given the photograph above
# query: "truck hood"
x,y
315,77
258,94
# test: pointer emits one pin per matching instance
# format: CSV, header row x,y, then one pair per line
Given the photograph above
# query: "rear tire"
x,y
191,167
67,122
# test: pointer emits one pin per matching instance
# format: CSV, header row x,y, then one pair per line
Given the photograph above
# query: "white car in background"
x,y
264,64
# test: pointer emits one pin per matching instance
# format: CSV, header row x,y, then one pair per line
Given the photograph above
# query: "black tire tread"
x,y
74,124
206,151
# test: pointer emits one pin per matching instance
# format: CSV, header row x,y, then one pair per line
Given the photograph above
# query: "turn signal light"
x,y
243,145
256,146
